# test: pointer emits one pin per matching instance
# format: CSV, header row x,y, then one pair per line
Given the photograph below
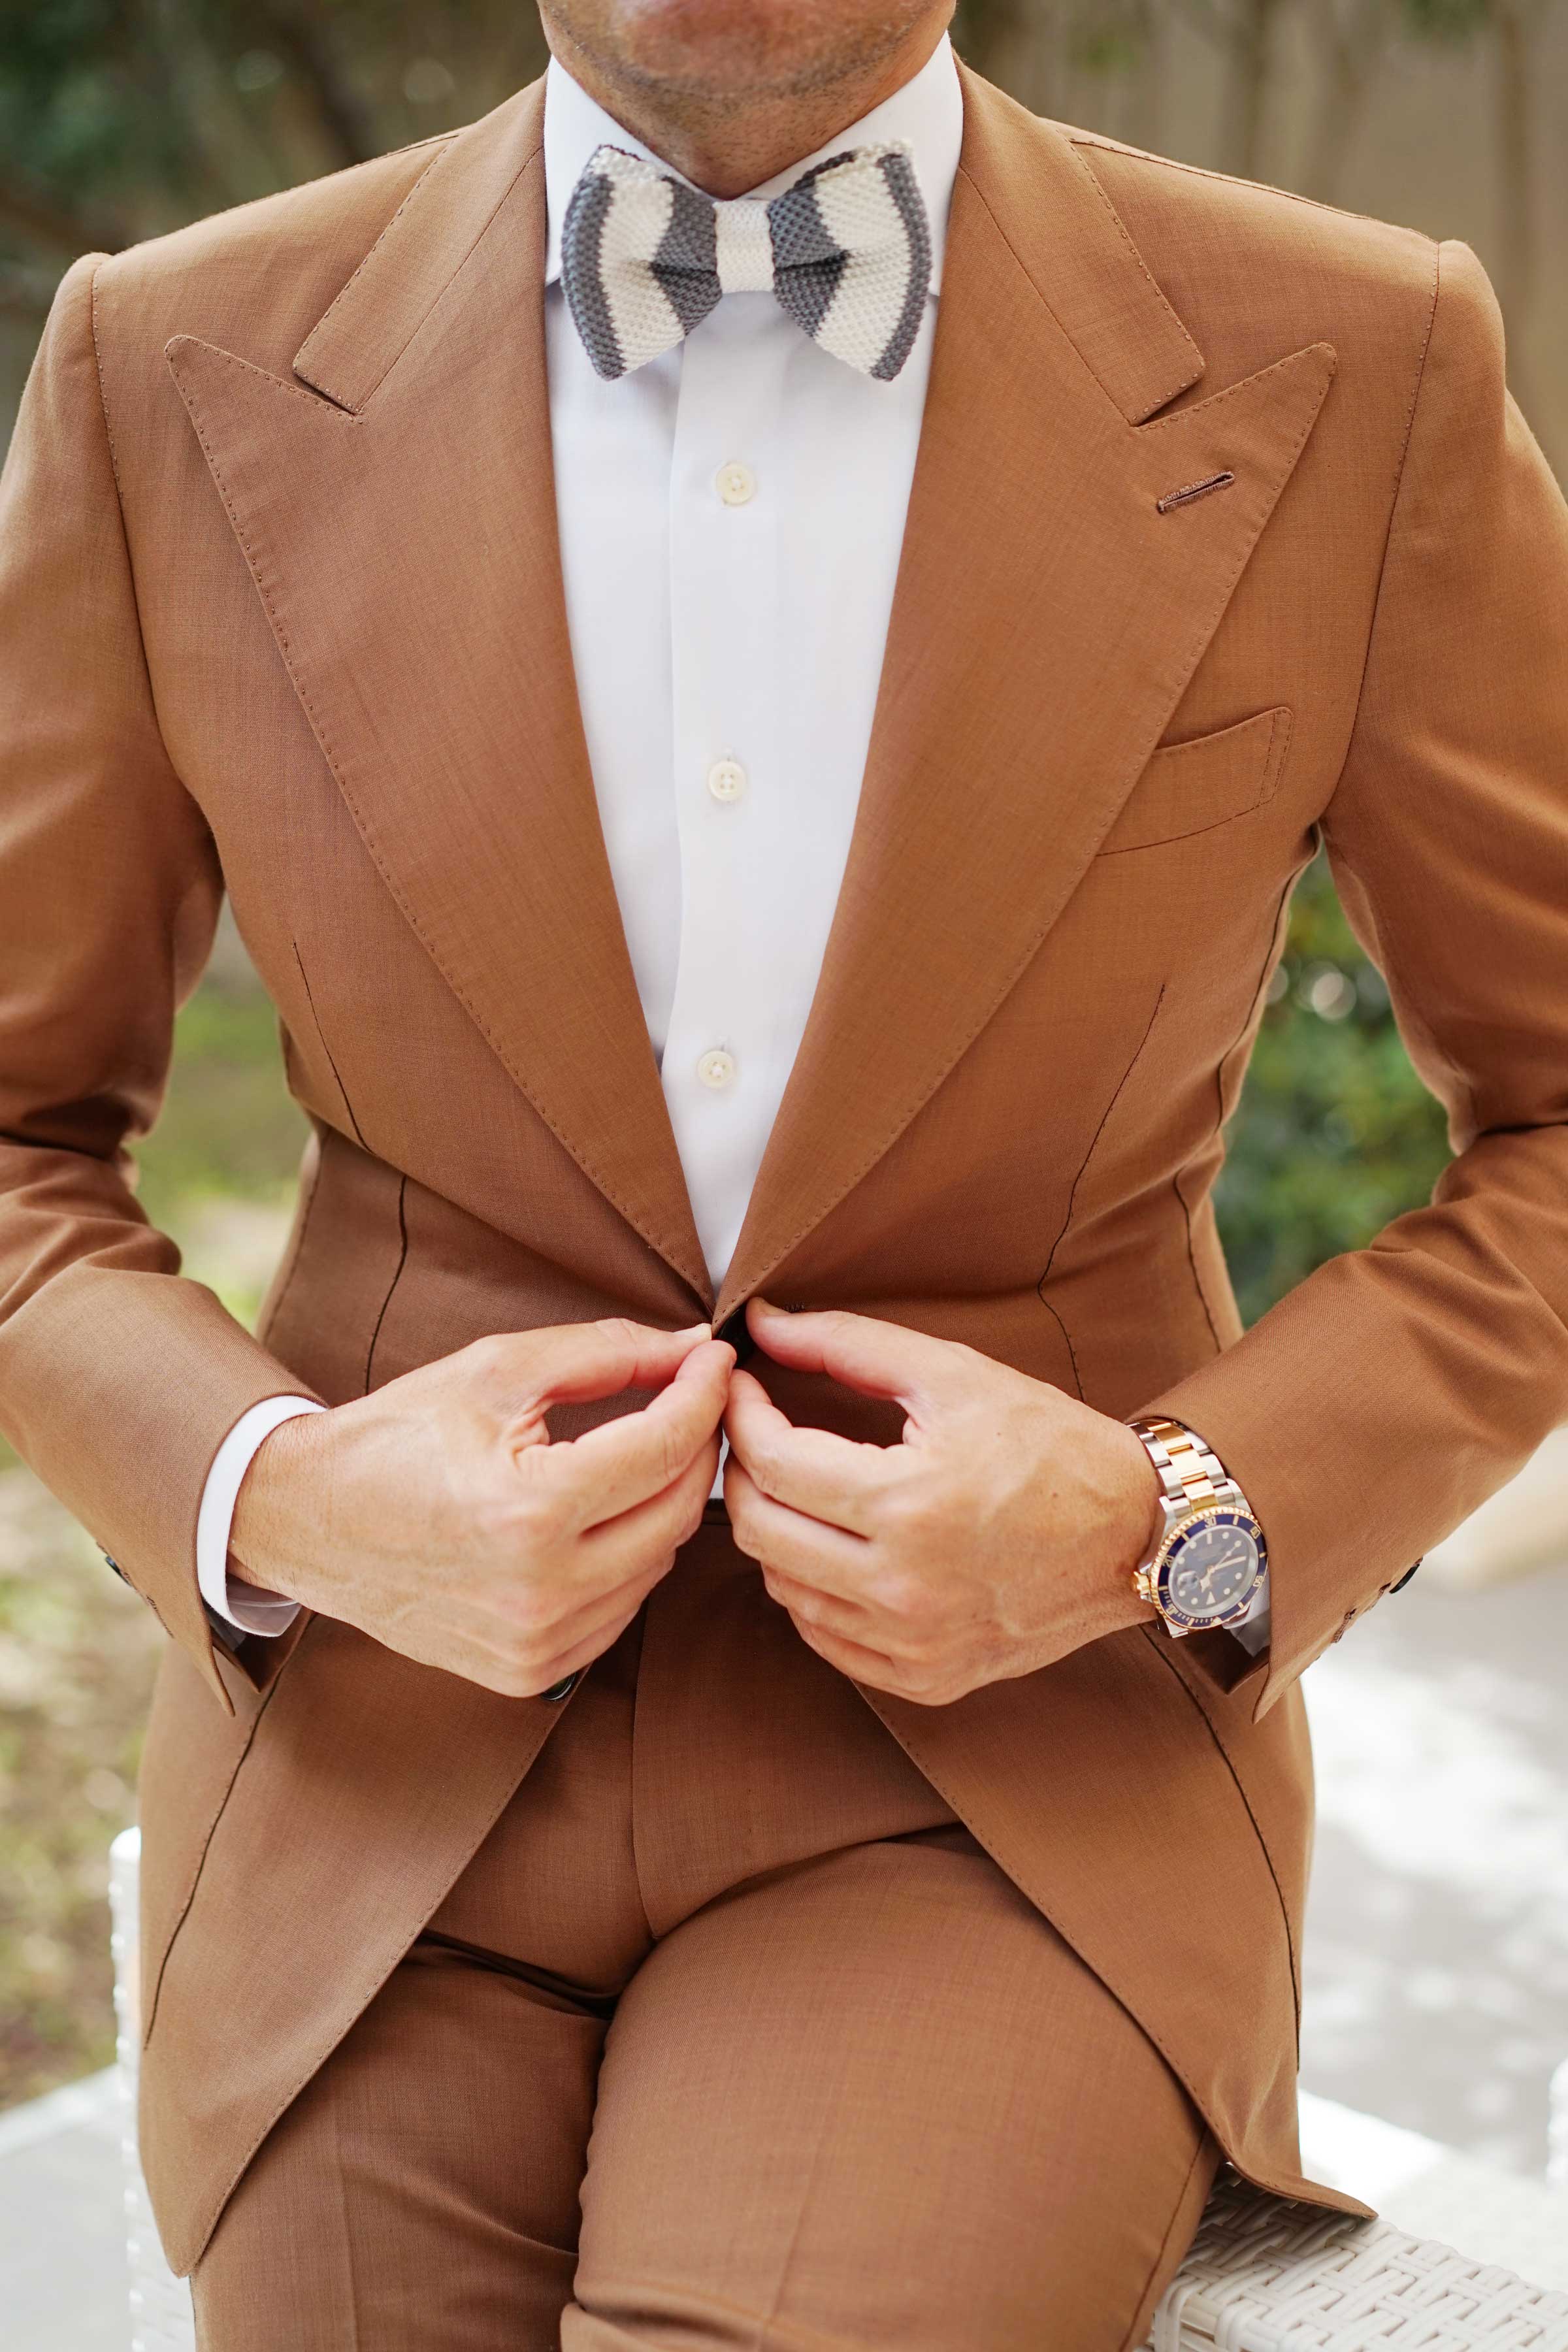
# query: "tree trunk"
x,y
1518,25
1147,83
25,293
42,219
1253,28
346,120
1015,43
1355,44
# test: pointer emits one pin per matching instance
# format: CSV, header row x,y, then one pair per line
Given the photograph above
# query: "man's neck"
x,y
728,150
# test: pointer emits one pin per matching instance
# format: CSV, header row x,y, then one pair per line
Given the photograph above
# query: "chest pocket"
x,y
1188,787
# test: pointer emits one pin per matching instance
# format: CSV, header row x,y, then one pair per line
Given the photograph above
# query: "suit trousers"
x,y
730,2035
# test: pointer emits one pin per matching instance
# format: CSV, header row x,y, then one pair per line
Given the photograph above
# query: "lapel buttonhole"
x,y
1191,490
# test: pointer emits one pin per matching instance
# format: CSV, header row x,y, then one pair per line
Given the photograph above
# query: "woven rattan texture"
x,y
1267,2276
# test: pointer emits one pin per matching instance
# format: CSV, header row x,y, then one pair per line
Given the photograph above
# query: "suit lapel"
x,y
1048,618
399,520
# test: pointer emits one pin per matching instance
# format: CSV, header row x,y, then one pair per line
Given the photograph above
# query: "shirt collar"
x,y
928,112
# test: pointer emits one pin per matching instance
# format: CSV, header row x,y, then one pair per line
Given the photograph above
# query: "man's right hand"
x,y
438,1516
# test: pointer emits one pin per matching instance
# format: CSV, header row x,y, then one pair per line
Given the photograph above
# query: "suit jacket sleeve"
x,y
1393,1391
119,1379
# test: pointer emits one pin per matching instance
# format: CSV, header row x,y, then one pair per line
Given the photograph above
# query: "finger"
x,y
610,1470
852,1620
584,1630
883,1360
654,1529
574,1363
592,1641
480,1642
828,1558
851,1658
812,1470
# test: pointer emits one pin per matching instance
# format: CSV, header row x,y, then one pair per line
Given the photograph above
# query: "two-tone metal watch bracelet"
x,y
1191,1476
1187,1471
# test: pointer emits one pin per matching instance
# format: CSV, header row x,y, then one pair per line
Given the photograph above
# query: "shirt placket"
x,y
724,555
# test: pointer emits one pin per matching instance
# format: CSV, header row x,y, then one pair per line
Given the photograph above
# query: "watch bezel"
x,y
1206,1515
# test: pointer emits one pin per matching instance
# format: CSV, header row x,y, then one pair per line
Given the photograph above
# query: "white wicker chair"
x,y
1267,2277
1263,2275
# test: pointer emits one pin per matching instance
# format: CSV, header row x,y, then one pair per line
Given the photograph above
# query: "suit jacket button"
x,y
564,1689
737,1331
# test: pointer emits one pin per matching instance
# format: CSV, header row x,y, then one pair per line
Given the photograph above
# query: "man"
x,y
721,871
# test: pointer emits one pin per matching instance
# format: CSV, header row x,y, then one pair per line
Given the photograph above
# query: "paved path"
x,y
62,2256
1436,1954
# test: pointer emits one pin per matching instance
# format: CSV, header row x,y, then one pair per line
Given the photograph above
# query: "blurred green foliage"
x,y
1335,1133
229,1138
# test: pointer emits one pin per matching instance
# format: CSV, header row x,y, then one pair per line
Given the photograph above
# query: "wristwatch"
x,y
1210,1566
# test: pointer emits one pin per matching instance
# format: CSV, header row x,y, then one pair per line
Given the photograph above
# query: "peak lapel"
x,y
399,521
1048,618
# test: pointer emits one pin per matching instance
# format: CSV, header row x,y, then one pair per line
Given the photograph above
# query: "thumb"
x,y
878,1359
578,1363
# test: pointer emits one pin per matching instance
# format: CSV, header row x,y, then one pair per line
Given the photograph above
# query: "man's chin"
x,y
734,50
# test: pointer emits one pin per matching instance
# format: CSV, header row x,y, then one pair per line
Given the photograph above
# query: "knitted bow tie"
x,y
644,258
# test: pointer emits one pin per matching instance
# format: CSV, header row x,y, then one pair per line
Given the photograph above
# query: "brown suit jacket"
x,y
280,612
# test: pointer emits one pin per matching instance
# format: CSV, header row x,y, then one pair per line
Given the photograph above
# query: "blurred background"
x,y
1437,1991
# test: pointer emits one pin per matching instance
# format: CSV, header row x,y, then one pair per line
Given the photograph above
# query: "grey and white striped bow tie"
x,y
644,258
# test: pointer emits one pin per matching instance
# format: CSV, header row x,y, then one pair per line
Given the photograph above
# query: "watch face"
x,y
1211,1569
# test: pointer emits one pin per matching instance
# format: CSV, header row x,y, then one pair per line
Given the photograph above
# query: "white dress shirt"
x,y
731,518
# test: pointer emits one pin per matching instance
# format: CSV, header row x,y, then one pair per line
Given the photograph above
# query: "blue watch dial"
x,y
1212,1570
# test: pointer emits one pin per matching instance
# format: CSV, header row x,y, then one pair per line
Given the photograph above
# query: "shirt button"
x,y
736,484
717,1070
726,780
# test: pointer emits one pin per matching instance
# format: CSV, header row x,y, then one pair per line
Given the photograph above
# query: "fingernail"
x,y
766,1307
691,1331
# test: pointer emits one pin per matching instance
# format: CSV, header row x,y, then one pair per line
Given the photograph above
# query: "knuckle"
x,y
495,1353
535,1518
762,1464
616,1330
919,1650
904,1512
673,1457
901,1595
513,1670
523,1652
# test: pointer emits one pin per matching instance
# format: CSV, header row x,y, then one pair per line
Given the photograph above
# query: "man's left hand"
x,y
999,1535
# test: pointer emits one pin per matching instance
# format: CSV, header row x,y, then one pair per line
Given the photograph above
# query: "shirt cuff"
x,y
248,1608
